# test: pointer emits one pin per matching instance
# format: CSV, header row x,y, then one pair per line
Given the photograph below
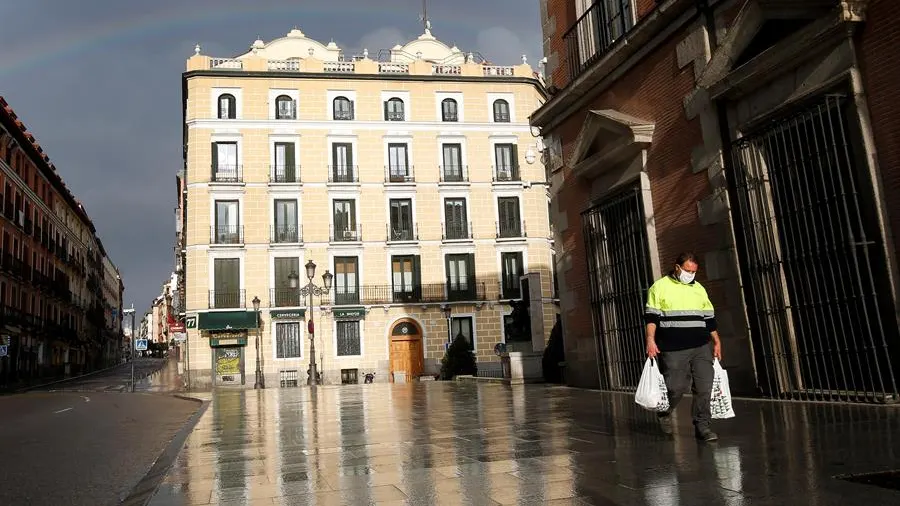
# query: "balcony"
x,y
343,174
399,174
285,297
454,173
506,174
511,229
227,235
346,233
284,174
594,34
453,231
402,234
394,116
226,174
227,299
417,294
283,234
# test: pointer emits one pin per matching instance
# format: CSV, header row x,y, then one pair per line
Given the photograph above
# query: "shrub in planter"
x,y
458,360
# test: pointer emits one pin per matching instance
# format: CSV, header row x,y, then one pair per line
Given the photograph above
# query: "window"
x,y
509,224
283,295
457,225
507,159
460,276
346,280
285,107
343,109
286,229
463,326
287,340
285,170
227,228
449,110
501,111
227,291
225,167
513,269
348,342
398,163
227,106
345,221
401,220
393,110
342,157
452,170
406,278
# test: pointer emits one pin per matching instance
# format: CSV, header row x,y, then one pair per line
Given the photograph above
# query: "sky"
x,y
98,83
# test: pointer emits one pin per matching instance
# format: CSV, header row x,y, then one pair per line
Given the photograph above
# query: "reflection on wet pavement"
x,y
438,443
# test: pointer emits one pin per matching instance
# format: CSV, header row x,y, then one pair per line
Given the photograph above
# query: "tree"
x,y
458,359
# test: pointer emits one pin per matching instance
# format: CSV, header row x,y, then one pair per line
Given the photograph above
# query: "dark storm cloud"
x,y
98,83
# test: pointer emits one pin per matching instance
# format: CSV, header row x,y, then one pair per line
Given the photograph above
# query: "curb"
x,y
146,488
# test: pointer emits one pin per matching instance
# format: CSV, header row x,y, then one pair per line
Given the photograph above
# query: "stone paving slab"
x,y
437,443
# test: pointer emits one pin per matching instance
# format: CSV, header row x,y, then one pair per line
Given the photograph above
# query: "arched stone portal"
x,y
407,354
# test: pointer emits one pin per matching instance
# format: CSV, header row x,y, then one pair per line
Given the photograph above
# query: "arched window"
x,y
393,110
501,111
343,109
285,108
227,106
449,110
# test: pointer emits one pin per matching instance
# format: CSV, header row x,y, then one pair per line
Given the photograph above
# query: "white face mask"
x,y
686,277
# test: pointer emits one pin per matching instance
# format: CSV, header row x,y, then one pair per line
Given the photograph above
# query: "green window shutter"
x,y
386,111
417,271
290,169
470,271
215,157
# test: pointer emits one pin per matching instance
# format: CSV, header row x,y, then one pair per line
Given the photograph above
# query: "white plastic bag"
x,y
651,392
720,400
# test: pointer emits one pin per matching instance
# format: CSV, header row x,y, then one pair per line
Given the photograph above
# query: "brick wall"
x,y
879,40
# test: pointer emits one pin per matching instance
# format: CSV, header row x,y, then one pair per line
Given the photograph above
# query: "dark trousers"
x,y
690,368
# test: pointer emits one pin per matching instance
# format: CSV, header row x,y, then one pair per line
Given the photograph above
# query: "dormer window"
x,y
343,109
227,106
393,110
449,110
501,111
285,107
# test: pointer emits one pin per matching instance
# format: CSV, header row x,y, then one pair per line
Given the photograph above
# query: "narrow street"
x,y
116,379
85,443
448,443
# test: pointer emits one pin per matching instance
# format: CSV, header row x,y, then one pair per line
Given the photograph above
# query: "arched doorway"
x,y
406,349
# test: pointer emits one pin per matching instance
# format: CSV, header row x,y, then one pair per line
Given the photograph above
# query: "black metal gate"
x,y
619,270
816,276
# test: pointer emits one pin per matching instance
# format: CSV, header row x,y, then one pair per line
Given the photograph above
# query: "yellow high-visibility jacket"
x,y
683,314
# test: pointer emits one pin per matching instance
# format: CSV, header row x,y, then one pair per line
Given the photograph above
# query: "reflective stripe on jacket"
x,y
683,314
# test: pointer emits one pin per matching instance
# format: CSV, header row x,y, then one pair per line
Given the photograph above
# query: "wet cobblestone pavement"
x,y
440,443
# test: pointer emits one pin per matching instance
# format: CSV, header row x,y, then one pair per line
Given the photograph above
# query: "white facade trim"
x,y
272,106
415,126
474,327
214,94
402,95
510,99
439,98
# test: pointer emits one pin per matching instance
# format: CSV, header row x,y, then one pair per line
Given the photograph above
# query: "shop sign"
x,y
350,312
289,314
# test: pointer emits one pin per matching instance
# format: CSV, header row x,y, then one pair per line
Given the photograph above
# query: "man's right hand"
x,y
652,350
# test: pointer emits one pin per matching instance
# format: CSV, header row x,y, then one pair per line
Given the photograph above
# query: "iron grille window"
x,y
619,275
349,376
348,341
815,272
287,340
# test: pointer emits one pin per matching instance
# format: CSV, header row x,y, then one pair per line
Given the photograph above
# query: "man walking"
x,y
680,321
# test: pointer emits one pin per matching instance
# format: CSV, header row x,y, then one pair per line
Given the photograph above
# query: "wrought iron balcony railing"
x,y
346,233
227,174
227,234
454,231
506,173
454,173
511,229
285,297
594,34
399,174
409,294
227,299
406,233
284,174
287,234
343,174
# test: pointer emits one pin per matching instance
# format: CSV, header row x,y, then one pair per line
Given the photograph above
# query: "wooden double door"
x,y
407,354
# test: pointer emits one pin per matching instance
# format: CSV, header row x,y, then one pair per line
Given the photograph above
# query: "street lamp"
x,y
312,289
260,381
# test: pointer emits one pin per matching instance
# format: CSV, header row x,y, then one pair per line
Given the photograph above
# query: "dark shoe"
x,y
707,436
665,423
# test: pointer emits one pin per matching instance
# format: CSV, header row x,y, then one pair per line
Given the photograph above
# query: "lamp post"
x,y
260,381
133,337
309,290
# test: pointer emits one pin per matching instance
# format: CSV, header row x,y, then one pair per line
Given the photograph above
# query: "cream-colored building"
x,y
413,178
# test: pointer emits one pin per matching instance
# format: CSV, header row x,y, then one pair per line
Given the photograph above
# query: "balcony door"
x,y
286,229
225,161
345,220
401,220
285,162
226,283
346,280
398,162
452,170
342,159
456,219
460,270
406,278
507,157
512,266
284,295
227,226
509,218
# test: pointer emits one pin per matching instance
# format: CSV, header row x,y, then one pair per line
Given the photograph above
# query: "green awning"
x,y
350,312
227,320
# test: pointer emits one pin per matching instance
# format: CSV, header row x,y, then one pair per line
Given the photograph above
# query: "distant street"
x,y
117,379
85,443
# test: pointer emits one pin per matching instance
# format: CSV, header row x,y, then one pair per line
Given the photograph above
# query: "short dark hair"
x,y
686,256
